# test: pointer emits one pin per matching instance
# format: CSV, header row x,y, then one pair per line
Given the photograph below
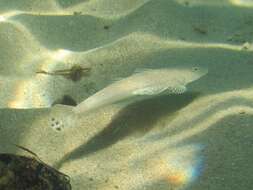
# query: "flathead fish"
x,y
142,84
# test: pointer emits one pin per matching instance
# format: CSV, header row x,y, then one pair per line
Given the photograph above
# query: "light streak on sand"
x,y
174,167
205,106
243,3
7,16
60,54
28,94
210,121
2,18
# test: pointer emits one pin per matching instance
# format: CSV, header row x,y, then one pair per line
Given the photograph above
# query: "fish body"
x,y
149,82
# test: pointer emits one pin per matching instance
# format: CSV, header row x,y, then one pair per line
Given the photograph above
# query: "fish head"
x,y
193,73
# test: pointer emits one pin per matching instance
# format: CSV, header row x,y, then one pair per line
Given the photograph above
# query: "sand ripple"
x,y
190,141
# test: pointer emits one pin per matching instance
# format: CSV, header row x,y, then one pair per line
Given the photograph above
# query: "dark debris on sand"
x,y
26,173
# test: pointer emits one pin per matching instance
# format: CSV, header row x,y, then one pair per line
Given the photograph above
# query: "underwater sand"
x,y
198,140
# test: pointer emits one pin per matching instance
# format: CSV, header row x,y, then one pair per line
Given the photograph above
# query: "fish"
x,y
143,83
75,73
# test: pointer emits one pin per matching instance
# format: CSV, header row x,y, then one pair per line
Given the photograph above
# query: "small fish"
x,y
75,73
142,84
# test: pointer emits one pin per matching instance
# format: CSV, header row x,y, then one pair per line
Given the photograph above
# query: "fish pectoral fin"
x,y
149,91
179,89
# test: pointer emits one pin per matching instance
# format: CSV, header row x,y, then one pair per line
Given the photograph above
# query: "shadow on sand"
x,y
135,119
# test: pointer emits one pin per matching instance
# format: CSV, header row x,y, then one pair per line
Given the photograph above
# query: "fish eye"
x,y
195,68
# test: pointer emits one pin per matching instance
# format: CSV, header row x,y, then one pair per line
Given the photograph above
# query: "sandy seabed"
x,y
198,140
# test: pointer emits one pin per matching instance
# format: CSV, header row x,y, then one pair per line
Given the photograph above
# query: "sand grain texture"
x,y
197,140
